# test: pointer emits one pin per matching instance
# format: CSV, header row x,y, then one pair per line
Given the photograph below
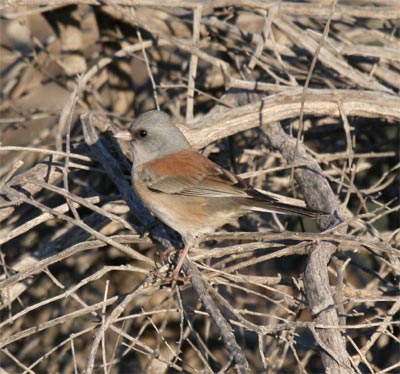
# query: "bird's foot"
x,y
181,259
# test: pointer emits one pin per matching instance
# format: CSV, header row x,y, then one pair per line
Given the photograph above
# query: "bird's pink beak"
x,y
124,135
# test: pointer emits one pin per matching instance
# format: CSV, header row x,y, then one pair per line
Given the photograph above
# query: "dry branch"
x,y
84,283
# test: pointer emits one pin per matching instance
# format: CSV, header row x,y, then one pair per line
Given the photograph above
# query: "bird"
x,y
187,191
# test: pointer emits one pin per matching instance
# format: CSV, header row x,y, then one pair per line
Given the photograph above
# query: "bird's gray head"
x,y
153,136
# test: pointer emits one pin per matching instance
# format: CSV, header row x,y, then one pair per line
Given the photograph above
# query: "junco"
x,y
184,189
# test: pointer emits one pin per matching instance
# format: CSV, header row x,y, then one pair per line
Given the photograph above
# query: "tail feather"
x,y
267,202
280,208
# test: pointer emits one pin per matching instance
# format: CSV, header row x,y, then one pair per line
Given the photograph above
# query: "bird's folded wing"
x,y
190,173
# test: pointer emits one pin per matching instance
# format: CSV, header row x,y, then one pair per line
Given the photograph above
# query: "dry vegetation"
x,y
83,282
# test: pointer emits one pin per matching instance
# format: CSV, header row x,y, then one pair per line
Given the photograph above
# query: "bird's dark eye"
x,y
142,133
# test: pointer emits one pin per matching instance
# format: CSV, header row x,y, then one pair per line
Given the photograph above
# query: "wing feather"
x,y
190,173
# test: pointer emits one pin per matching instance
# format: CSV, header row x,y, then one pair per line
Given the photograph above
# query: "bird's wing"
x,y
190,173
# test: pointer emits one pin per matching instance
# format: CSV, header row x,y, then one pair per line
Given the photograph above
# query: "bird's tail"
x,y
268,202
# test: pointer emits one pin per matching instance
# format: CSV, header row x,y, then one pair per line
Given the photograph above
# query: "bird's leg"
x,y
178,267
181,252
